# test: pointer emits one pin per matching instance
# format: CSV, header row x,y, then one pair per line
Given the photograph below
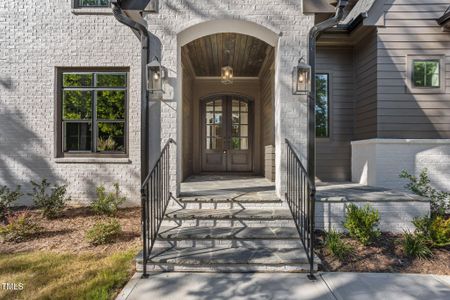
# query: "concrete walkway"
x,y
286,286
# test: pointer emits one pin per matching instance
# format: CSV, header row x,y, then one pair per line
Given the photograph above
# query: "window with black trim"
x,y
322,105
93,112
92,3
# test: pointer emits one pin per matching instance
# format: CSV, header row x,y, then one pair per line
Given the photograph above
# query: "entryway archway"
x,y
228,127
227,134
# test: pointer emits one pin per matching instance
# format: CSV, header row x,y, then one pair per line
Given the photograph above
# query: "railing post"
x,y
312,217
144,231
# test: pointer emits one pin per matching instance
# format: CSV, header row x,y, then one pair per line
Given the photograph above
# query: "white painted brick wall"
x,y
378,162
394,216
37,36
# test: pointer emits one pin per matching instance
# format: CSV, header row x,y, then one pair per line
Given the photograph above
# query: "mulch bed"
x,y
385,255
67,233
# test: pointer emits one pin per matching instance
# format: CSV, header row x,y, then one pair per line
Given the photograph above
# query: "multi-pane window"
x,y
93,3
322,105
93,112
214,134
239,126
425,73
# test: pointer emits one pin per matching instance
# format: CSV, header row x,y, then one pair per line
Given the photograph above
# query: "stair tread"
x,y
227,255
226,200
245,233
247,214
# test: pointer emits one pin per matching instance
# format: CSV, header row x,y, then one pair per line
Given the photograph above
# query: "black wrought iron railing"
x,y
300,196
155,195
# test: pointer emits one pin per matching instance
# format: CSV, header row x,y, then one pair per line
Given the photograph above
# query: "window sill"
x,y
92,11
92,160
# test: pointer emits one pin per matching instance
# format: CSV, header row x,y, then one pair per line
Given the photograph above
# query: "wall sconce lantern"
x,y
301,78
155,76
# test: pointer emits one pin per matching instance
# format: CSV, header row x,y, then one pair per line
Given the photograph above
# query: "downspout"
x,y
142,33
311,153
313,35
120,15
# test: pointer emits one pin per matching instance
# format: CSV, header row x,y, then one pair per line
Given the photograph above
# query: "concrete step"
x,y
229,214
242,259
251,237
171,222
198,203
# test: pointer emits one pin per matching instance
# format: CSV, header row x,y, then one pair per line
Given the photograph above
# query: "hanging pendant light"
x,y
226,76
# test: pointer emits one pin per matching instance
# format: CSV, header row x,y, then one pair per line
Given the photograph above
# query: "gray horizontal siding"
x,y
411,29
333,153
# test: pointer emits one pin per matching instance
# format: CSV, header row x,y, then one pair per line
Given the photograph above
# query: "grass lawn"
x,y
49,275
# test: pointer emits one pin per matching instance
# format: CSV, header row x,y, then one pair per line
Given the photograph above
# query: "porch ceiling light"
x,y
156,75
301,78
226,76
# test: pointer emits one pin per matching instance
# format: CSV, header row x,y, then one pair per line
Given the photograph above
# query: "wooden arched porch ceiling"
x,y
207,55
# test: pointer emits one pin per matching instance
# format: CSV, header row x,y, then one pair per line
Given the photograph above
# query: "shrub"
x,y
6,198
362,223
335,244
19,228
103,232
107,203
435,229
416,245
51,203
421,186
440,231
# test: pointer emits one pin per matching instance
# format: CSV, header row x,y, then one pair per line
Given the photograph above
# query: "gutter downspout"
x,y
142,33
311,152
313,34
120,15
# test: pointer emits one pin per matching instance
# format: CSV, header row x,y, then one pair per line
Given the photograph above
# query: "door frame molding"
x,y
251,128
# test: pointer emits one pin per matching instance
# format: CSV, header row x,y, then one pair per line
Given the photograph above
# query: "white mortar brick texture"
x,y
394,216
384,159
38,36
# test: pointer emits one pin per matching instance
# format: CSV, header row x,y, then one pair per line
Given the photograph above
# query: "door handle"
x,y
224,151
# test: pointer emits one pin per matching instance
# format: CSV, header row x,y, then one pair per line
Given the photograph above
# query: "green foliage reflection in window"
x,y
322,105
93,3
103,93
426,73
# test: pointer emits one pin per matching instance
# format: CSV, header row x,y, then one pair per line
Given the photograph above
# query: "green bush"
x,y
421,186
416,245
336,246
51,203
19,228
6,198
435,229
440,231
107,203
103,232
362,223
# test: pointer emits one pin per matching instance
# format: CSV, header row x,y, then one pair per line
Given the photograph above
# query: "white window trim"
x,y
425,90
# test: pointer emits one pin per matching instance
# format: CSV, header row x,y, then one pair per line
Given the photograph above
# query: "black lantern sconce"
x,y
301,78
156,75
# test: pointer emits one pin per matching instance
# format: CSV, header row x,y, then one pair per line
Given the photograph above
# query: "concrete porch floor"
x,y
232,187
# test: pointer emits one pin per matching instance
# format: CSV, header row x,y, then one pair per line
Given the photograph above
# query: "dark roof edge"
x,y
444,19
349,27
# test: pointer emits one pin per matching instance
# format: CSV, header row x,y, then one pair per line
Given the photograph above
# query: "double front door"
x,y
227,134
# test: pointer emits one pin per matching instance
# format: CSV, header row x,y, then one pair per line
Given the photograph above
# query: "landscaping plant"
x,y
107,203
50,202
416,245
336,246
19,227
103,232
436,230
421,186
7,197
362,223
